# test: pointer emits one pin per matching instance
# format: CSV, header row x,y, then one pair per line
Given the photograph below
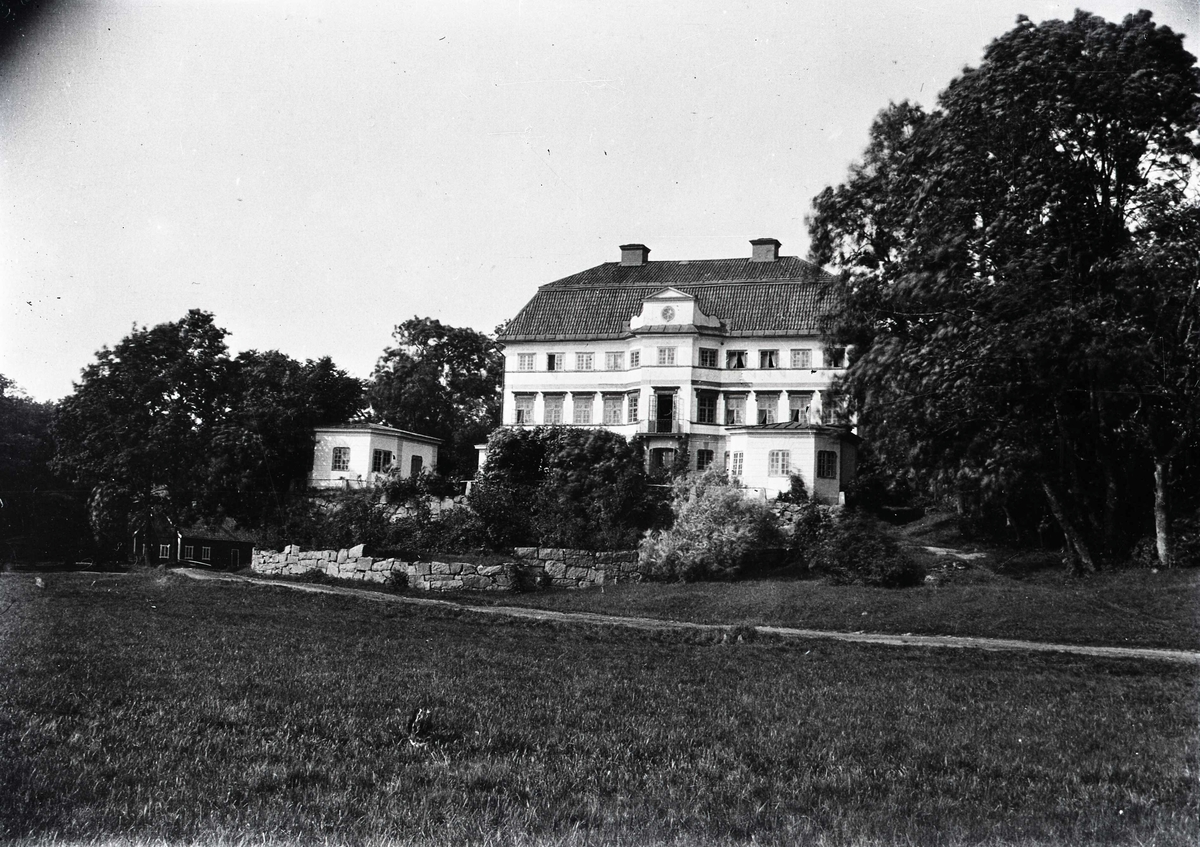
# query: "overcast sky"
x,y
314,173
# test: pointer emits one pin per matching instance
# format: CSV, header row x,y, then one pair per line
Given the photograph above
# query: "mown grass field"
x,y
152,709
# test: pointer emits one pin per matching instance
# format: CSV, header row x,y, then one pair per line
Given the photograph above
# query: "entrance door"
x,y
664,414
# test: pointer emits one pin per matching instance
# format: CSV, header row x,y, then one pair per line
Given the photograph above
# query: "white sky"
x,y
314,173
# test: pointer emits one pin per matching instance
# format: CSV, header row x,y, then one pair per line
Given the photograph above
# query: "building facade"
x,y
356,455
720,358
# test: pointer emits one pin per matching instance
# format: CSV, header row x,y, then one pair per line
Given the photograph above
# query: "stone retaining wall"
x,y
531,567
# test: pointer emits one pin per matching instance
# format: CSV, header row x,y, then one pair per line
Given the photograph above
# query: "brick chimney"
x,y
634,255
764,250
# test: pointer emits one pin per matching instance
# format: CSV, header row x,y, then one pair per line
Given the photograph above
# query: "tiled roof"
x,y
759,298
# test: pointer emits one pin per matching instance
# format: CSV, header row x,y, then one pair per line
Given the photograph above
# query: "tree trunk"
x,y
1070,531
1162,528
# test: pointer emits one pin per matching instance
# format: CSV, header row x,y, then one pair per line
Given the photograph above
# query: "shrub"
x,y
562,487
811,527
717,531
857,551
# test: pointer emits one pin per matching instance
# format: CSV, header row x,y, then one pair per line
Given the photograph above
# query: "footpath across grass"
x,y
1128,608
156,709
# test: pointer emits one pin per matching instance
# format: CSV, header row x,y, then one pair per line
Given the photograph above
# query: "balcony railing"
x,y
654,427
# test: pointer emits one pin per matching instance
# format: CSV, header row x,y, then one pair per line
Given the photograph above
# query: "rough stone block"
x,y
439,568
423,568
356,552
556,569
456,567
490,570
525,552
342,556
556,553
578,573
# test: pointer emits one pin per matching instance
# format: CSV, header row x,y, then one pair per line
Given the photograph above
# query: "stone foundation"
x,y
531,567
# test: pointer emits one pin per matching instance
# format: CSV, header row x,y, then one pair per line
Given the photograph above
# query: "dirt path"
x,y
654,624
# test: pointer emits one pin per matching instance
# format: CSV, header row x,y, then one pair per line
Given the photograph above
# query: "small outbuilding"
x,y
357,455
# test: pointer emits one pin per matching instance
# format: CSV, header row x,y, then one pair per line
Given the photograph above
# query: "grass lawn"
x,y
1119,608
153,709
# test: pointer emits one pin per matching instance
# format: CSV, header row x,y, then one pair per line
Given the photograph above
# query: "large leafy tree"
x,y
140,425
263,446
167,423
442,381
1009,262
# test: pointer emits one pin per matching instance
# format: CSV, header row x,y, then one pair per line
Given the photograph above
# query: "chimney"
x,y
634,255
764,250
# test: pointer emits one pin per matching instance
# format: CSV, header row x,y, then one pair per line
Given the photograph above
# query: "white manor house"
x,y
720,357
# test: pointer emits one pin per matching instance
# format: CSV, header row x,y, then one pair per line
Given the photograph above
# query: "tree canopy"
x,y
167,422
1019,279
442,381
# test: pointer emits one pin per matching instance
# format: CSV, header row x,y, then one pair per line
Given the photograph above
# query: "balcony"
x,y
664,427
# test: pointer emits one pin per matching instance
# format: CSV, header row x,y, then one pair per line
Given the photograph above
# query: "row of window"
x,y
381,461
620,409
734,359
189,552
779,463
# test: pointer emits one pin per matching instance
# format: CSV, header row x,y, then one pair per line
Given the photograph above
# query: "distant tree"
x,y
166,423
263,445
26,442
1008,272
142,419
441,381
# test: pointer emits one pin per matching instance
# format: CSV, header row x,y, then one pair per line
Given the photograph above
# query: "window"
x,y
768,407
779,463
614,361
554,361
835,357
708,358
206,554
585,361
768,358
189,551
164,551
798,406
341,458
666,355
381,460
554,409
735,359
704,458
414,466
735,465
735,409
802,358
706,408
581,408
635,358
827,462
633,408
523,413
612,409
525,361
